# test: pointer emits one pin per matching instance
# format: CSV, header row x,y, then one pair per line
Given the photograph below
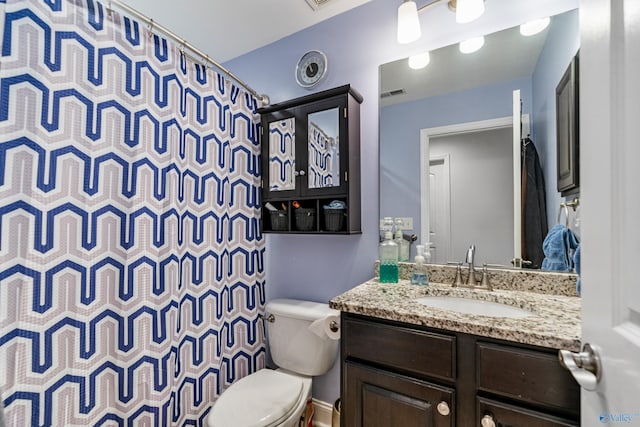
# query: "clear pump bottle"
x,y
403,245
388,253
420,274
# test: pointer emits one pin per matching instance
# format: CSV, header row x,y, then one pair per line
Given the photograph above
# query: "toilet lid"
x,y
257,400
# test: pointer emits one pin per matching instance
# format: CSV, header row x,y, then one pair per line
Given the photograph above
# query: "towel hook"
x,y
563,206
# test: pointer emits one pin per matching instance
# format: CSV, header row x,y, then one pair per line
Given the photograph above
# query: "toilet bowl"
x,y
300,348
267,398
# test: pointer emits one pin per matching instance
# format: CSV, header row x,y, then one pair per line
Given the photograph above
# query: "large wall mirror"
x,y
454,118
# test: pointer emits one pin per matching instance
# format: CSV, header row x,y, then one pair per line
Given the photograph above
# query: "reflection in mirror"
x,y
282,154
456,89
479,159
324,160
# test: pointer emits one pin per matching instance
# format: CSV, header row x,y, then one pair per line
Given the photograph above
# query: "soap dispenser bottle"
x,y
403,244
420,274
388,253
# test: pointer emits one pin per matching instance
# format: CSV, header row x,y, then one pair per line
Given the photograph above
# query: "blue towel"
x,y
558,249
576,261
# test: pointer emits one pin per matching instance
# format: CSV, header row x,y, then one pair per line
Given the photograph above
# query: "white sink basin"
x,y
475,307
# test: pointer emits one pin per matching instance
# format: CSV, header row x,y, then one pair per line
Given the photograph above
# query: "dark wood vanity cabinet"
x,y
311,157
395,374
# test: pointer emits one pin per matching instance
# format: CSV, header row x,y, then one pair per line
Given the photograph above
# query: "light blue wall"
x,y
356,43
400,126
550,67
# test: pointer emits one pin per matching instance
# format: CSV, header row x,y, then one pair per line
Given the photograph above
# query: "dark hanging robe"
x,y
534,206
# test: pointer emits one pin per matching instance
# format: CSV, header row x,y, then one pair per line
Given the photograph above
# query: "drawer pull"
x,y
443,408
487,421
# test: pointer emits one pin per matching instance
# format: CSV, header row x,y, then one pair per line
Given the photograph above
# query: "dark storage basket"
x,y
305,219
334,219
279,220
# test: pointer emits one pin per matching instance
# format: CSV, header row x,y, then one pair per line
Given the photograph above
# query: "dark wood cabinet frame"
x,y
568,130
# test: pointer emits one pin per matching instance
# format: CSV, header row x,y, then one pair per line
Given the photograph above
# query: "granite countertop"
x,y
556,323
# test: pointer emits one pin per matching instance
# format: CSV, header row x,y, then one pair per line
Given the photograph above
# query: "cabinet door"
x,y
279,163
323,148
378,398
503,415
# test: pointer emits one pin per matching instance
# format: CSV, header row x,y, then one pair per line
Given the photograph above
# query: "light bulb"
x,y
468,10
408,23
534,27
472,45
419,61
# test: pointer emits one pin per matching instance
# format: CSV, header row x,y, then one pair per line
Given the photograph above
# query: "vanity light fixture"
x,y
468,10
419,61
534,27
472,45
409,23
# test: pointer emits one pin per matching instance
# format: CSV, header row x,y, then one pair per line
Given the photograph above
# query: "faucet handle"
x,y
485,278
458,280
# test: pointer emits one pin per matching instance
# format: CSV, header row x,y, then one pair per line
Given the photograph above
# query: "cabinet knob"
x,y
487,421
443,408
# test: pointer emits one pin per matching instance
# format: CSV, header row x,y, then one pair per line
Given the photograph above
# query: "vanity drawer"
x,y
503,414
404,349
526,375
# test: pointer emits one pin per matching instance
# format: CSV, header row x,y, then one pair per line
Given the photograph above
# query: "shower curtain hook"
x,y
207,62
109,9
182,46
150,28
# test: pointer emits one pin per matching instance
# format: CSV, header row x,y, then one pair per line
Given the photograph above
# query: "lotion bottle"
x,y
420,274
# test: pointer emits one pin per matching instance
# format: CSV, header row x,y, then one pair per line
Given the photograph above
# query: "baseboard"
x,y
322,413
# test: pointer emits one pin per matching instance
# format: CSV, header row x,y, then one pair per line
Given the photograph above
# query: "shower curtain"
x,y
131,262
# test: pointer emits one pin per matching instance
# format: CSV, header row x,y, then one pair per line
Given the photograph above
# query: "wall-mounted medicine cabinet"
x,y
311,164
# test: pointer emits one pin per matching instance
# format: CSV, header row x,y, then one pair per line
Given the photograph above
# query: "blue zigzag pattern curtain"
x,y
131,263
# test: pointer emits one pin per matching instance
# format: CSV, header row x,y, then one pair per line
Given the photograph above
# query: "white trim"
x,y
322,413
458,128
517,182
446,250
427,133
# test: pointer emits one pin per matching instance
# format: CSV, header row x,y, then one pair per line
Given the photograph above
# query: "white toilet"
x,y
301,349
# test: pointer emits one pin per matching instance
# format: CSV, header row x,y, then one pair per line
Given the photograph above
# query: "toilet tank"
x,y
292,345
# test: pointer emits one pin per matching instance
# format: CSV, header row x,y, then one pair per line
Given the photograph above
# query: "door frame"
x,y
444,158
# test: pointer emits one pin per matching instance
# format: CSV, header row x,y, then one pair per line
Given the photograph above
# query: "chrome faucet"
x,y
472,282
471,253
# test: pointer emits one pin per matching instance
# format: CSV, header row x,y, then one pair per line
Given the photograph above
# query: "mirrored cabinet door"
x,y
323,148
282,154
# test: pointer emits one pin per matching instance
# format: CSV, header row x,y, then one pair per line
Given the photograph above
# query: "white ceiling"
x,y
226,29
505,56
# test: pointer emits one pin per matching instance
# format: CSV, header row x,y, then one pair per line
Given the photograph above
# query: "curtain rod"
x,y
186,45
